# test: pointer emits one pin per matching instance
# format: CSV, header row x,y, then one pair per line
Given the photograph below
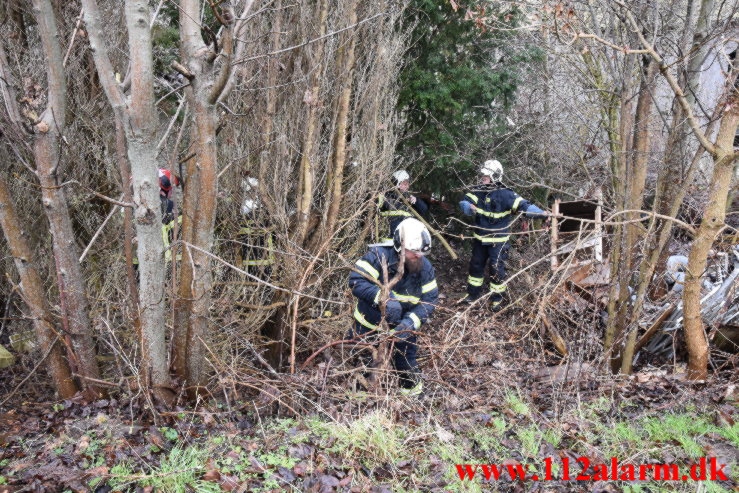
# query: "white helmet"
x,y
251,202
412,235
248,206
493,169
249,184
400,176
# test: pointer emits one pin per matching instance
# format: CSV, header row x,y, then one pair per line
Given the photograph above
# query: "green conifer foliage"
x,y
459,79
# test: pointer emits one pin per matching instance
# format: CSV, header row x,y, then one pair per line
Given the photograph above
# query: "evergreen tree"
x,y
459,80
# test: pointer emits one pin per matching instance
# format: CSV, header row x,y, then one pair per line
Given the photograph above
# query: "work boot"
x,y
467,300
410,382
498,304
416,390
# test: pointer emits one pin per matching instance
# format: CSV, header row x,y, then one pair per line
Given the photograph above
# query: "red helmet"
x,y
165,180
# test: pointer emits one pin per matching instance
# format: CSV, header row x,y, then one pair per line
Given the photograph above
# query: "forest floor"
x,y
491,398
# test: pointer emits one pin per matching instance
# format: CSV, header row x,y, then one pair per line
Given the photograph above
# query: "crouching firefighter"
x,y
412,299
393,209
493,206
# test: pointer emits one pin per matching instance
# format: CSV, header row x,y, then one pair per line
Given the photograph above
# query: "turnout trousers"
x,y
496,253
404,354
257,250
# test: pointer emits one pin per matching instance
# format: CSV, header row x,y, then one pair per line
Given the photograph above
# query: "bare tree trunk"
x,y
32,290
714,213
672,182
128,232
336,178
47,136
273,328
305,195
713,220
205,124
206,85
615,112
139,120
144,171
624,160
637,182
621,118
183,301
269,114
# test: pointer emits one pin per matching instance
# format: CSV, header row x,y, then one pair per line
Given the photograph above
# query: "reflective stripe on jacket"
x,y
258,248
496,208
417,293
394,210
168,237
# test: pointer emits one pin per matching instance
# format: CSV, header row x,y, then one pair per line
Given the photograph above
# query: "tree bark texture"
x,y
32,290
635,200
138,117
336,178
47,135
672,180
128,231
312,95
205,88
142,154
714,216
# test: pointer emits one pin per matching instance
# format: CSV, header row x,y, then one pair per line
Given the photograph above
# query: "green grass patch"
x,y
373,437
515,403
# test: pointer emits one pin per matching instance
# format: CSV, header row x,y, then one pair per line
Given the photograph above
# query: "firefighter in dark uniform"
x,y
393,209
411,303
493,206
257,252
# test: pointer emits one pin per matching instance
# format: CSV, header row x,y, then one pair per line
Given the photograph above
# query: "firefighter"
x,y
166,191
394,209
411,302
257,253
493,206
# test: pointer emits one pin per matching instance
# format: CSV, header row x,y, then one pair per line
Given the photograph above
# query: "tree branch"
x,y
57,82
105,71
182,70
664,69
310,41
226,69
238,49
7,89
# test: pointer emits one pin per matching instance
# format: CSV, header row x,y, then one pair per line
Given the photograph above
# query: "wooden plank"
x,y
555,233
584,294
654,328
557,340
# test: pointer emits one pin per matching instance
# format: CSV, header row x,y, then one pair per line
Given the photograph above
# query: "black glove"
x,y
402,330
393,312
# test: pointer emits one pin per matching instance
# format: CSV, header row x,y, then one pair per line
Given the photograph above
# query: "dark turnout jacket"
x,y
417,293
395,210
496,208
